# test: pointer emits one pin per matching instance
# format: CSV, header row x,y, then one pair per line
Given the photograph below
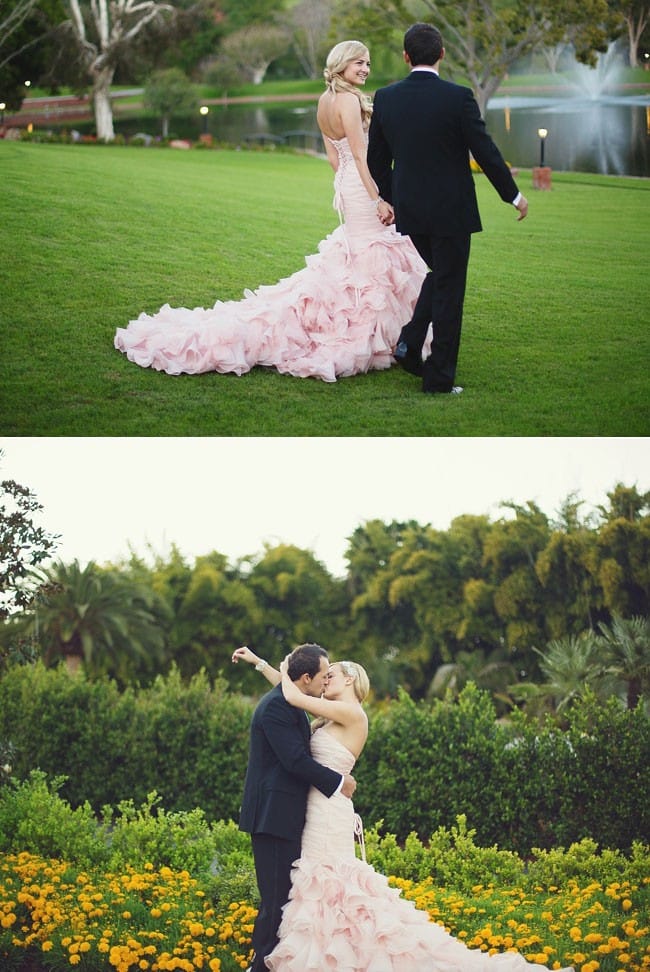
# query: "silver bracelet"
x,y
377,201
261,665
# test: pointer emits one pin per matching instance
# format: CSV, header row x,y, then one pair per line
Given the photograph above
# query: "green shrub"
x,y
519,784
151,835
34,818
186,742
451,858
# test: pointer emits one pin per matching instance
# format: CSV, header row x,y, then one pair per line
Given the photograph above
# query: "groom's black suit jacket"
x,y
280,770
421,134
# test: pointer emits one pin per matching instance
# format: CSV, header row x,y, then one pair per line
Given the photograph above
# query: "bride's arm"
x,y
351,121
344,713
245,654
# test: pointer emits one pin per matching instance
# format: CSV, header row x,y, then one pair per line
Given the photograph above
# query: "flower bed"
x,y
54,916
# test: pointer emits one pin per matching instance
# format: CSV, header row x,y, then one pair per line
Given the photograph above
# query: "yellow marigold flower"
x,y
626,904
126,914
155,912
575,934
75,959
215,965
47,945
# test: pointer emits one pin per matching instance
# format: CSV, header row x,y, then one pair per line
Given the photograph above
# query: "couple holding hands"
x,y
322,908
388,285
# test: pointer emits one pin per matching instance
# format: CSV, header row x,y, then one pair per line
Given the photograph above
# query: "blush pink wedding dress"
x,y
342,916
338,316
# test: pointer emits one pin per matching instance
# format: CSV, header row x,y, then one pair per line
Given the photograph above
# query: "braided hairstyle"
x,y
337,60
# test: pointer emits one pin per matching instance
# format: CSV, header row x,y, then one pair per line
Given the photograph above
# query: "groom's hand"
x,y
385,213
349,785
522,206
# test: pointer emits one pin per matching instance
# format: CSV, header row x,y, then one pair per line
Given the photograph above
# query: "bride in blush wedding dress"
x,y
342,915
342,313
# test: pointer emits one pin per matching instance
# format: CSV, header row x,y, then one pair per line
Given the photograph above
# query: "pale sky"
x,y
234,495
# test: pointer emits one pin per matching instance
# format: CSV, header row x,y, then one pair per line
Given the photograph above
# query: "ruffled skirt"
x,y
345,917
339,316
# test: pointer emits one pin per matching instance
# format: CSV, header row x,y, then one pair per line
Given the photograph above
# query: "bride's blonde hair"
x,y
358,673
338,59
361,686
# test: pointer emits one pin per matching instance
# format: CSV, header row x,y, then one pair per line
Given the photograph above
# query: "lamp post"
x,y
542,132
541,172
203,110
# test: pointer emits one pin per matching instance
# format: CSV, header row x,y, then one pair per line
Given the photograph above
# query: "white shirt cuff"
x,y
339,787
515,201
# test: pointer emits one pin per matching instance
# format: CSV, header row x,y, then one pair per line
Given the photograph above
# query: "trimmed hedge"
x,y
520,785
187,742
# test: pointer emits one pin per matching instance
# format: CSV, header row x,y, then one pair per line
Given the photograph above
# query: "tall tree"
x,y
103,31
380,632
627,651
25,26
567,569
635,17
512,547
253,48
484,38
309,23
24,547
97,618
298,598
623,564
219,612
571,667
168,92
241,13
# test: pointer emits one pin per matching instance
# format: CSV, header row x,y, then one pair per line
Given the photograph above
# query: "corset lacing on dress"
x,y
344,161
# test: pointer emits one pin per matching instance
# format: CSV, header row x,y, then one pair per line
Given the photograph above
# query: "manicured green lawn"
x,y
556,326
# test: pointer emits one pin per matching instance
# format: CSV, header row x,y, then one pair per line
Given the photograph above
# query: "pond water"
x,y
608,134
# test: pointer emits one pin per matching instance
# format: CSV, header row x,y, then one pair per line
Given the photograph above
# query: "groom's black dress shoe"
x,y
409,359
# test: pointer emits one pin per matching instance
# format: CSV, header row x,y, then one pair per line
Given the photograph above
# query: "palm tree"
x,y
99,619
626,645
571,666
491,671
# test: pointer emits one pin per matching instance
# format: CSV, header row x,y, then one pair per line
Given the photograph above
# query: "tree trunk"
x,y
73,664
633,44
103,106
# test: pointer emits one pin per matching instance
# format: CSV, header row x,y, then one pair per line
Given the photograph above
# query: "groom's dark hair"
x,y
423,44
305,660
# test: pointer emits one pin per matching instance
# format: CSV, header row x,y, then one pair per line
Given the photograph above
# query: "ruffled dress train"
x,y
342,916
340,315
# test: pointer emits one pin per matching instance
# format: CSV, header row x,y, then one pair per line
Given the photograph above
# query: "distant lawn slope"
x,y
555,336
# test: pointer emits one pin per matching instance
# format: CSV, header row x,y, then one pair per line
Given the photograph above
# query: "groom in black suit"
x,y
280,772
422,132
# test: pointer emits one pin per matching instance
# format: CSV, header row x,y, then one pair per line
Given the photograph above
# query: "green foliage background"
x,y
520,786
